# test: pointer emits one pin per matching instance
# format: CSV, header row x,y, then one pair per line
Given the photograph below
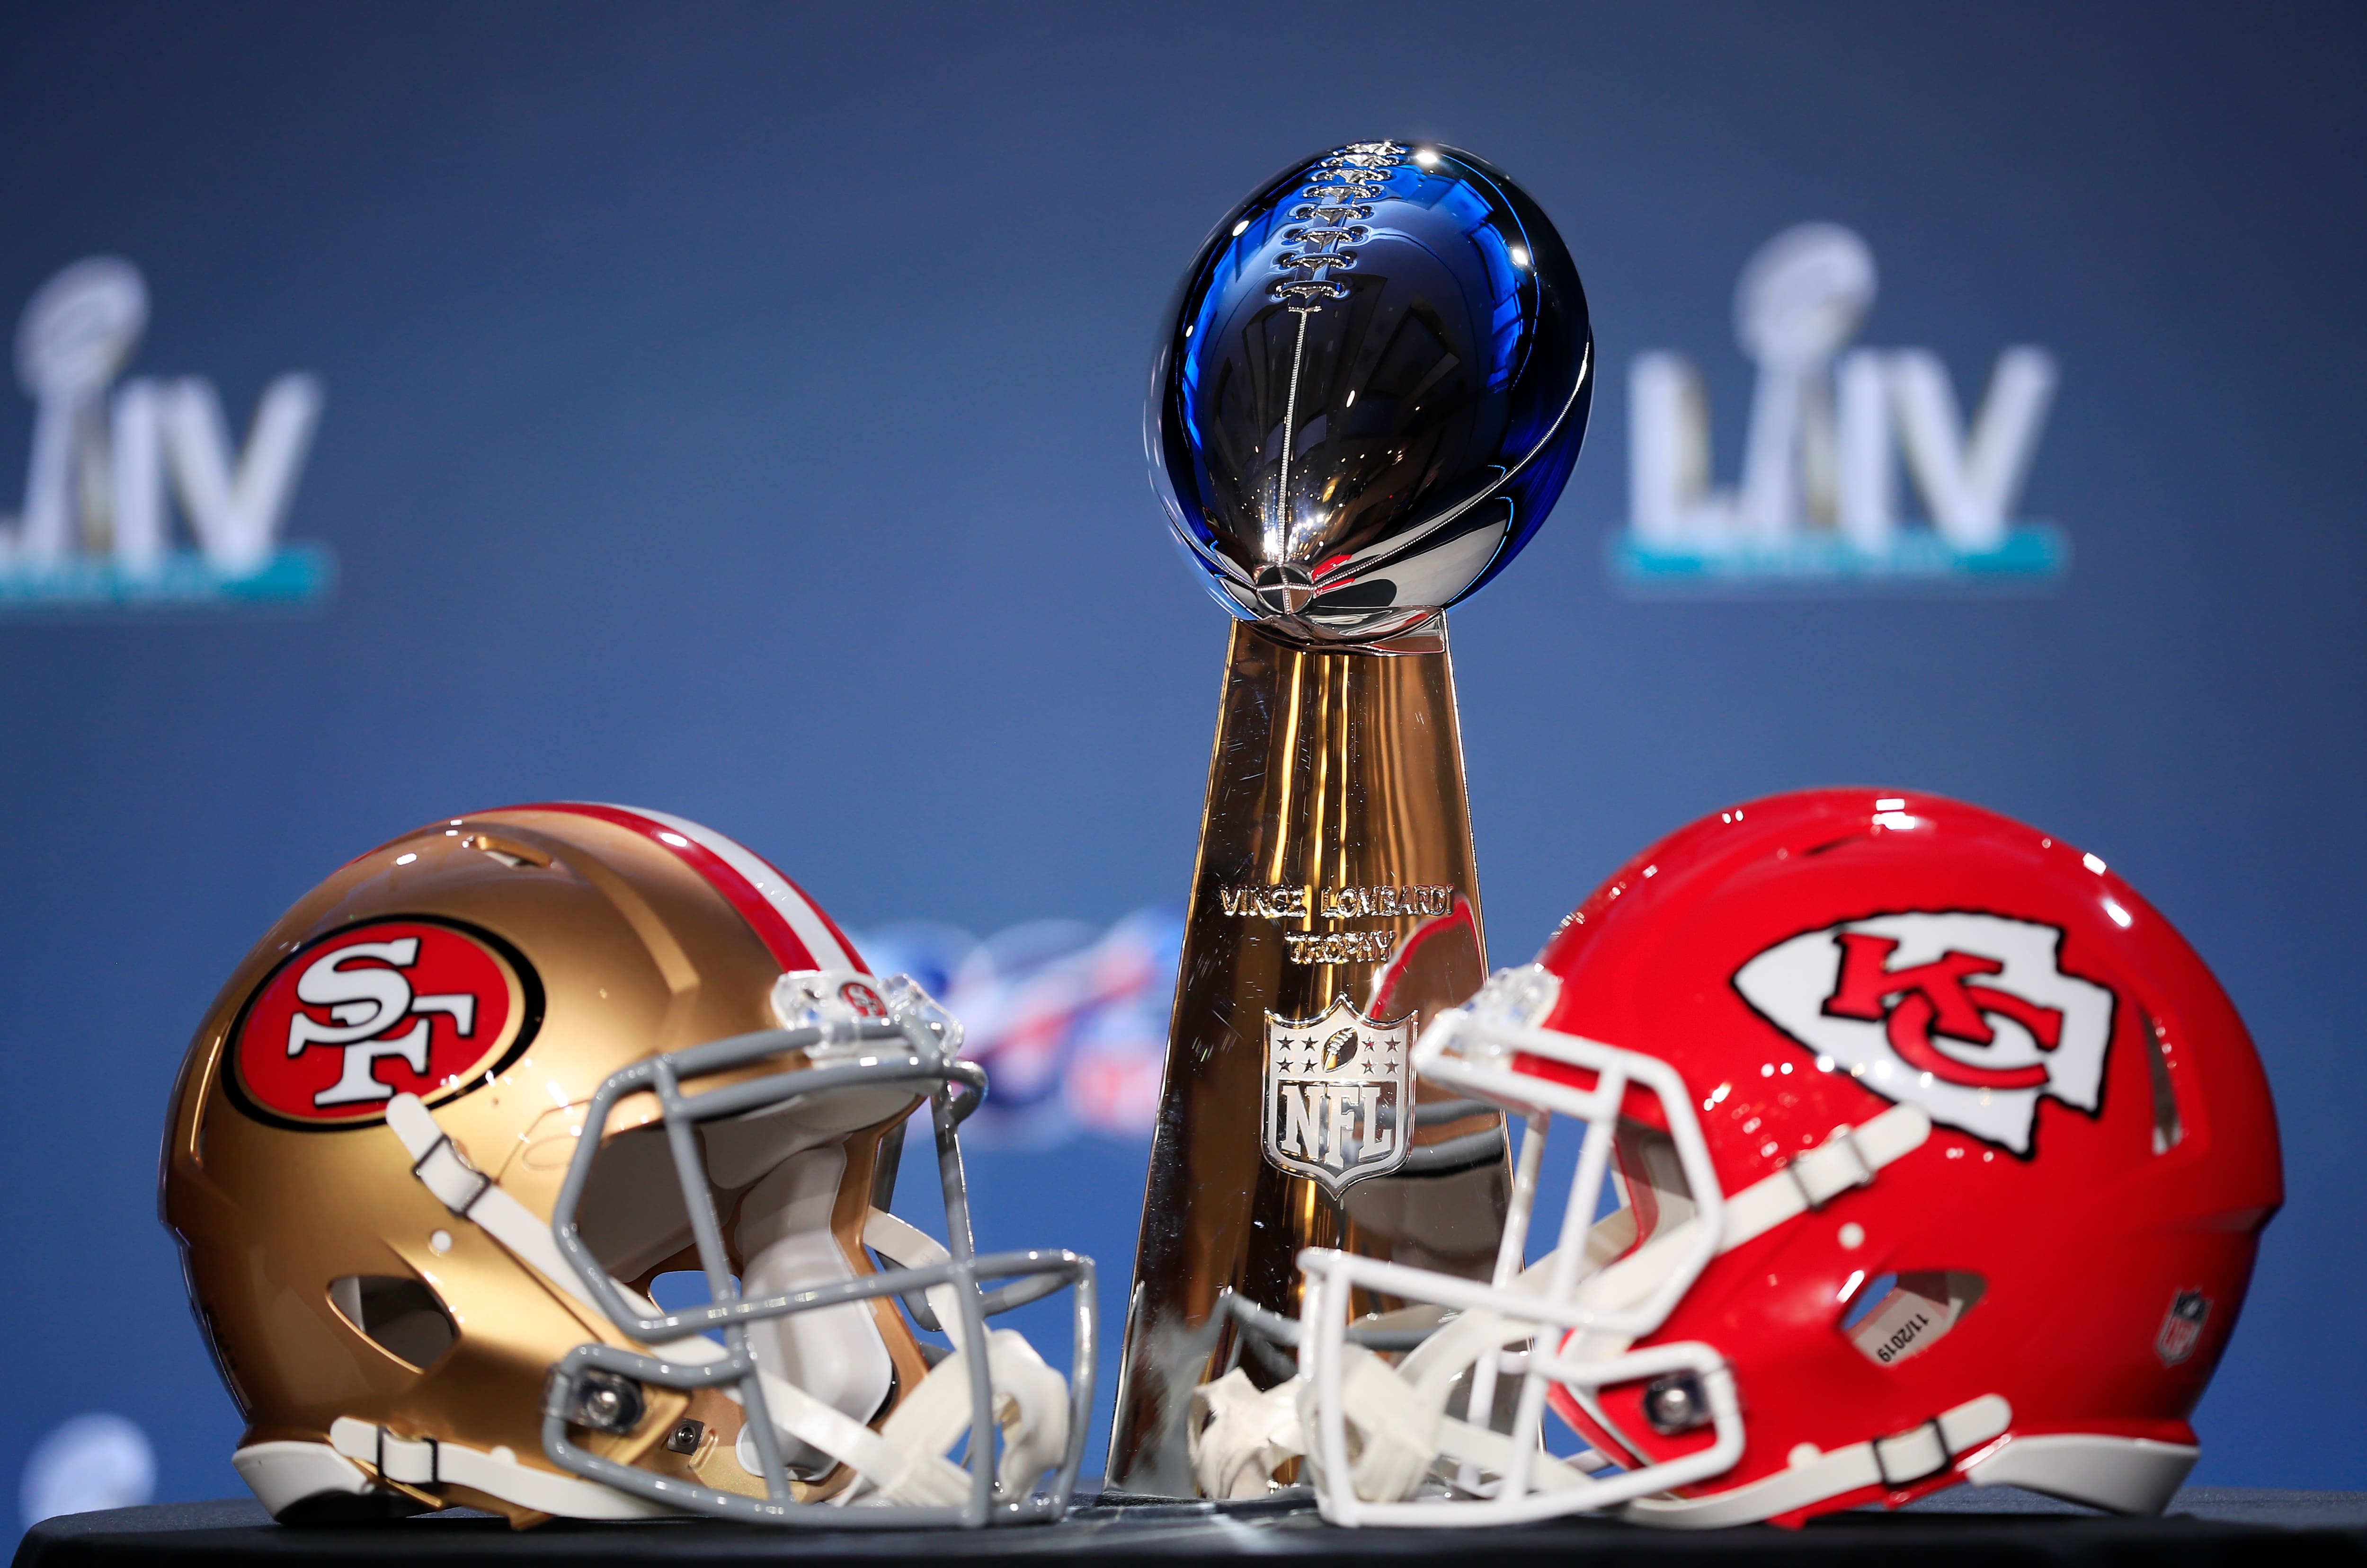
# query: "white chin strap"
x,y
902,1463
833,1353
1031,1402
1405,1445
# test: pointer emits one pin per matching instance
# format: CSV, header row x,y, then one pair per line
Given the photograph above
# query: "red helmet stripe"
x,y
791,926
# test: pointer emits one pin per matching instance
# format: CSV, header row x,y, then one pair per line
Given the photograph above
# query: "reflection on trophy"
x,y
1371,391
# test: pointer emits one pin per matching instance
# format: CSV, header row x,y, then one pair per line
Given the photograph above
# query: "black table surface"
x,y
1961,1526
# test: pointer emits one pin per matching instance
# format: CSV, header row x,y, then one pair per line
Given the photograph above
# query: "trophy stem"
x,y
1334,911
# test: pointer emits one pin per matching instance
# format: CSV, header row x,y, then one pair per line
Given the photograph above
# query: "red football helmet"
x,y
1938,1158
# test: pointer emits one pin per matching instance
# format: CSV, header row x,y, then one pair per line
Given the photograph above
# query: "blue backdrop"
x,y
736,410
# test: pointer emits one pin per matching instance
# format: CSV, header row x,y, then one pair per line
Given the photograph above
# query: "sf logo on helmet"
x,y
1968,1015
367,1000
352,1019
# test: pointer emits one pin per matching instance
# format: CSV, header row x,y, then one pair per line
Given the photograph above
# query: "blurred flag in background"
x,y
1069,1020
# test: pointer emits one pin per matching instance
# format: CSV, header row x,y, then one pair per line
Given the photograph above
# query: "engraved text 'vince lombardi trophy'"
x,y
1371,390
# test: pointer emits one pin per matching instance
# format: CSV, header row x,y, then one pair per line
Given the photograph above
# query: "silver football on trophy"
x,y
1371,390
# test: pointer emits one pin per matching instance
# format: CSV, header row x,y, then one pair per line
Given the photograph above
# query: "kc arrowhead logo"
x,y
1969,1016
1338,1095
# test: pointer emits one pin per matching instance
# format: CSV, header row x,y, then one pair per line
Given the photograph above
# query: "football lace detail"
x,y
1337,195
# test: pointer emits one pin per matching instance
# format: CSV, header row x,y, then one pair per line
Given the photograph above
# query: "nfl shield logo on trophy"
x,y
1338,1095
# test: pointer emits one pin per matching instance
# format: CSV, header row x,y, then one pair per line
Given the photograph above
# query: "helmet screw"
x,y
604,1400
1675,1404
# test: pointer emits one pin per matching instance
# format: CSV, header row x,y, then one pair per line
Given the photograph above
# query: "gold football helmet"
x,y
460,1111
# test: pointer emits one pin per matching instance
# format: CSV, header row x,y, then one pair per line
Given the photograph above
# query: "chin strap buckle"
x,y
451,1178
1913,1454
1832,1169
411,1460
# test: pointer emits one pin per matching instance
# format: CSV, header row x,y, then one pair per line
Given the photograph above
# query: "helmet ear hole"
x,y
398,1314
1896,1316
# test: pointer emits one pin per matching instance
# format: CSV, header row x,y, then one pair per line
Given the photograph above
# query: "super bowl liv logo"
x,y
1818,499
109,457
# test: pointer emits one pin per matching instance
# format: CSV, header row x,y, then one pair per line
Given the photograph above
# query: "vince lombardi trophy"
x,y
1371,388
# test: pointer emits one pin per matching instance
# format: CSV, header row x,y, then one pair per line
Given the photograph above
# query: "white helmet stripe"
x,y
771,885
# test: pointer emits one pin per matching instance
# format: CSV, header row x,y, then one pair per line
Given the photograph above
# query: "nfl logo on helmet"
x,y
2182,1325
